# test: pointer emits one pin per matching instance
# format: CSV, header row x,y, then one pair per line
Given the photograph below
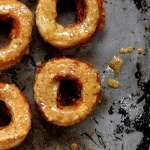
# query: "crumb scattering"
x,y
38,64
57,148
115,64
140,50
74,146
113,83
126,50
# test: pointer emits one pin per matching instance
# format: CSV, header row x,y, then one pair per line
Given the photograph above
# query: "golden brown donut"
x,y
47,84
20,35
90,20
102,20
20,114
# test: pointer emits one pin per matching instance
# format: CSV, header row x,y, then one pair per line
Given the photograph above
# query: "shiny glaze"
x,y
126,50
76,33
14,133
20,35
140,50
45,90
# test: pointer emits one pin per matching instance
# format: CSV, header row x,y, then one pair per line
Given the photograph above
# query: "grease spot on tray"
x,y
141,122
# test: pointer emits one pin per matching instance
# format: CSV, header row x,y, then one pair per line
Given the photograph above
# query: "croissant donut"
x,y
47,85
90,20
20,35
19,111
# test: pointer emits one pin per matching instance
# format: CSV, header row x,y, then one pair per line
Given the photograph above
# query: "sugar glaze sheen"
x,y
46,95
123,18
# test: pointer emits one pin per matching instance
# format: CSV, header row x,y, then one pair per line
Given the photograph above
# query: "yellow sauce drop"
x,y
38,64
57,148
74,146
116,64
140,50
131,34
113,83
126,50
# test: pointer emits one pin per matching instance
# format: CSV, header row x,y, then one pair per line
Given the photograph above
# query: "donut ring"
x,y
20,35
47,85
90,20
19,110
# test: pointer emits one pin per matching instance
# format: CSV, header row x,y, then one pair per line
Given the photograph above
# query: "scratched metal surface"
x,y
121,121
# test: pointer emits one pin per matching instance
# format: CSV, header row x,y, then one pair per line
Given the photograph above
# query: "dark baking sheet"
x,y
122,120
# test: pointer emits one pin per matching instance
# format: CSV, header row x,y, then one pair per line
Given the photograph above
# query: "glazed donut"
x,y
20,34
47,84
16,131
90,20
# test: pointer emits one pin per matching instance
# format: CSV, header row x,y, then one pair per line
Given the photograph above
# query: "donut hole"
x,y
70,11
69,92
9,29
5,117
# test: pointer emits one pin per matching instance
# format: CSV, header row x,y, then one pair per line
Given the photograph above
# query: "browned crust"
x,y
78,84
77,61
102,20
41,112
26,101
16,28
100,24
11,63
16,141
16,32
81,14
99,95
24,98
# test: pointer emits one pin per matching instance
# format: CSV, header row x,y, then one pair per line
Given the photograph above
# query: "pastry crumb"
x,y
113,83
